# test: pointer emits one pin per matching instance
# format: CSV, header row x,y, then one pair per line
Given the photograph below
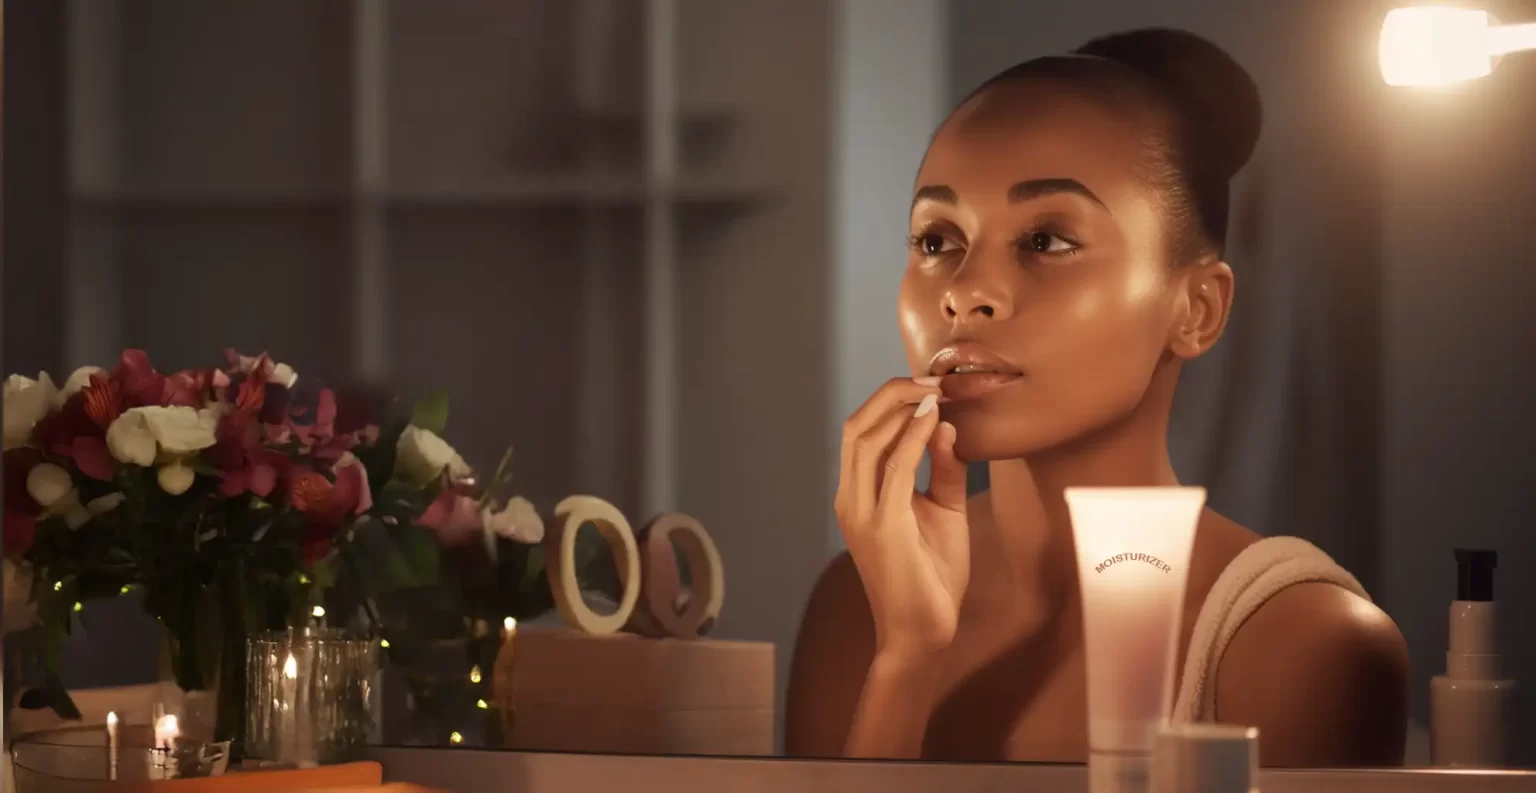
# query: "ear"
x,y
1205,304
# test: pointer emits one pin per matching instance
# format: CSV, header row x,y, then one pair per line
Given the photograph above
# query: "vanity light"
x,y
1434,46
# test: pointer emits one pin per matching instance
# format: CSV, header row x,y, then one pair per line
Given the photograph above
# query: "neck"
x,y
1027,494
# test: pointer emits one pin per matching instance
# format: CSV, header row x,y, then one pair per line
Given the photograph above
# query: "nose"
x,y
977,296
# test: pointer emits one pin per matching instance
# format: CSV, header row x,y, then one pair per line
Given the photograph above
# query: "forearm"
x,y
894,706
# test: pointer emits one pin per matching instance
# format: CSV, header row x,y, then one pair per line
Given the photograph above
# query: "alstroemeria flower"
x,y
140,384
78,380
327,505
142,434
194,387
27,402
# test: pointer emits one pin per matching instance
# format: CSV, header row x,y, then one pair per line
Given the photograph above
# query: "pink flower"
x,y
454,517
194,387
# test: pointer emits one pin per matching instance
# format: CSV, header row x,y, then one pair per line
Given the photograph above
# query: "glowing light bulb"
x,y
1430,46
79,606
384,643
58,585
481,704
455,738
318,611
125,590
474,674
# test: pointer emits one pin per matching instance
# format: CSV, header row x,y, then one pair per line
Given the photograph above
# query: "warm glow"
x,y
455,738
481,704
384,643
474,674
111,718
167,730
509,624
318,611
291,668
1433,46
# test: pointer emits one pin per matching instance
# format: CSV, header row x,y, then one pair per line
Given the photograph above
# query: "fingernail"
x,y
935,380
926,406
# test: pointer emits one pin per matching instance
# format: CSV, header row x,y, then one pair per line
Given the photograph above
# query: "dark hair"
x,y
1212,105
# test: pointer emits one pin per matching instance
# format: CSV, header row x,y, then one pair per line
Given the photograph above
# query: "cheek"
x,y
918,315
1104,337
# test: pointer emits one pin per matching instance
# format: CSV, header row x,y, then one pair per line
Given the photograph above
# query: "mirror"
x,y
655,249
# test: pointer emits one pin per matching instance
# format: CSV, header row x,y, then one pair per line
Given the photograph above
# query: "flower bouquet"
x,y
245,498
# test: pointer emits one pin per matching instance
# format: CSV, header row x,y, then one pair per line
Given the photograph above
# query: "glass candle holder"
x,y
309,696
84,758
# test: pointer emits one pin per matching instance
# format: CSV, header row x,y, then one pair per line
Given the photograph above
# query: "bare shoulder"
x,y
1323,674
832,654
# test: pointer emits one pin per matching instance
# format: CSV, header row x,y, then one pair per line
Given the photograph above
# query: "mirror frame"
x,y
497,771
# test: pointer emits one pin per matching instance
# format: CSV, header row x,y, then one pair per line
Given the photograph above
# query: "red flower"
x,y
327,505
244,464
140,384
103,400
74,432
194,387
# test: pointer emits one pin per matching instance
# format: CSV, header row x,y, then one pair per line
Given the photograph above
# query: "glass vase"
x,y
308,696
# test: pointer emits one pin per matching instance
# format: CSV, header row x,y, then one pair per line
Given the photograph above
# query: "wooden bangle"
x,y
661,583
560,556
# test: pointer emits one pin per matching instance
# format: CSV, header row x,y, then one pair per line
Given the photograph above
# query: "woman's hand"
x,y
912,550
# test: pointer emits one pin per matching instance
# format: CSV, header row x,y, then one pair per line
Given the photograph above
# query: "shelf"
x,y
541,190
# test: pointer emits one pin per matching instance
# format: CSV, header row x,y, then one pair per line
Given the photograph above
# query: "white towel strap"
x,y
1254,576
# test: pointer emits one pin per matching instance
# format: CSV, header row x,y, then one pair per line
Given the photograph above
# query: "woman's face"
x,y
1037,280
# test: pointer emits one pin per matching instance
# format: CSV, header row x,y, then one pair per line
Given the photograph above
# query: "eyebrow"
x,y
1023,191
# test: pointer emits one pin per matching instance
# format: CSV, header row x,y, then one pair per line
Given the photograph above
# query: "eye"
x,y
1047,243
932,244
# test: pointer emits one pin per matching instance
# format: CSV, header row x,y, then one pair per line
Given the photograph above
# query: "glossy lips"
x,y
971,371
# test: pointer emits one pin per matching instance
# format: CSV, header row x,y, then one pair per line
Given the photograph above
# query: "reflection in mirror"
x,y
543,324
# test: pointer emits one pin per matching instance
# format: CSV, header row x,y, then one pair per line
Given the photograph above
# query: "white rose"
x,y
140,434
175,478
78,380
101,505
129,439
519,522
181,430
283,375
27,401
48,484
421,456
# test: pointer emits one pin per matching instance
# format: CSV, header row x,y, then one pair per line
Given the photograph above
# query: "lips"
x,y
971,371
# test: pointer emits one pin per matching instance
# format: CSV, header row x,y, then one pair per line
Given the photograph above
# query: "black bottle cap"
x,y
1474,574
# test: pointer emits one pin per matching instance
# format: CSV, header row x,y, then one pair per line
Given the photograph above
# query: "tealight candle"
x,y
112,745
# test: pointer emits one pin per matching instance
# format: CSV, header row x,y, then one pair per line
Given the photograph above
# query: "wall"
x,y
891,75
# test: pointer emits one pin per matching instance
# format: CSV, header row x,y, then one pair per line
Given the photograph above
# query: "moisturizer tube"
x,y
1133,547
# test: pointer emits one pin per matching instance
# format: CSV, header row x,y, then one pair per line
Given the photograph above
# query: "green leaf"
x,y
431,413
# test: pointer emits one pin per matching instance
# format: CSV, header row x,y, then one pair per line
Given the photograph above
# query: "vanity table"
x,y
478,771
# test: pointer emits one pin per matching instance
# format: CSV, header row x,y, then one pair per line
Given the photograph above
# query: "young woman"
x,y
1067,233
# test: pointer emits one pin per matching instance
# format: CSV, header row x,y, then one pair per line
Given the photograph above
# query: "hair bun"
x,y
1220,99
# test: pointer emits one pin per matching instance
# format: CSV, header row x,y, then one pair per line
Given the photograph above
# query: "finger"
x,y
871,452
947,473
895,393
901,467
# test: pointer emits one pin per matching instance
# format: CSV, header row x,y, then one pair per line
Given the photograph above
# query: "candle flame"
x,y
167,730
509,624
111,718
291,668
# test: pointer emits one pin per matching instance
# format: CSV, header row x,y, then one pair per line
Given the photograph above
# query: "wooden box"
x,y
625,694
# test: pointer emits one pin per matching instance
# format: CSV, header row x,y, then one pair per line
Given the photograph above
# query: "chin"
x,y
983,435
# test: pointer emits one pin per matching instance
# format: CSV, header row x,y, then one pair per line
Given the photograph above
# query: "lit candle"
x,y
288,748
166,732
501,677
112,745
